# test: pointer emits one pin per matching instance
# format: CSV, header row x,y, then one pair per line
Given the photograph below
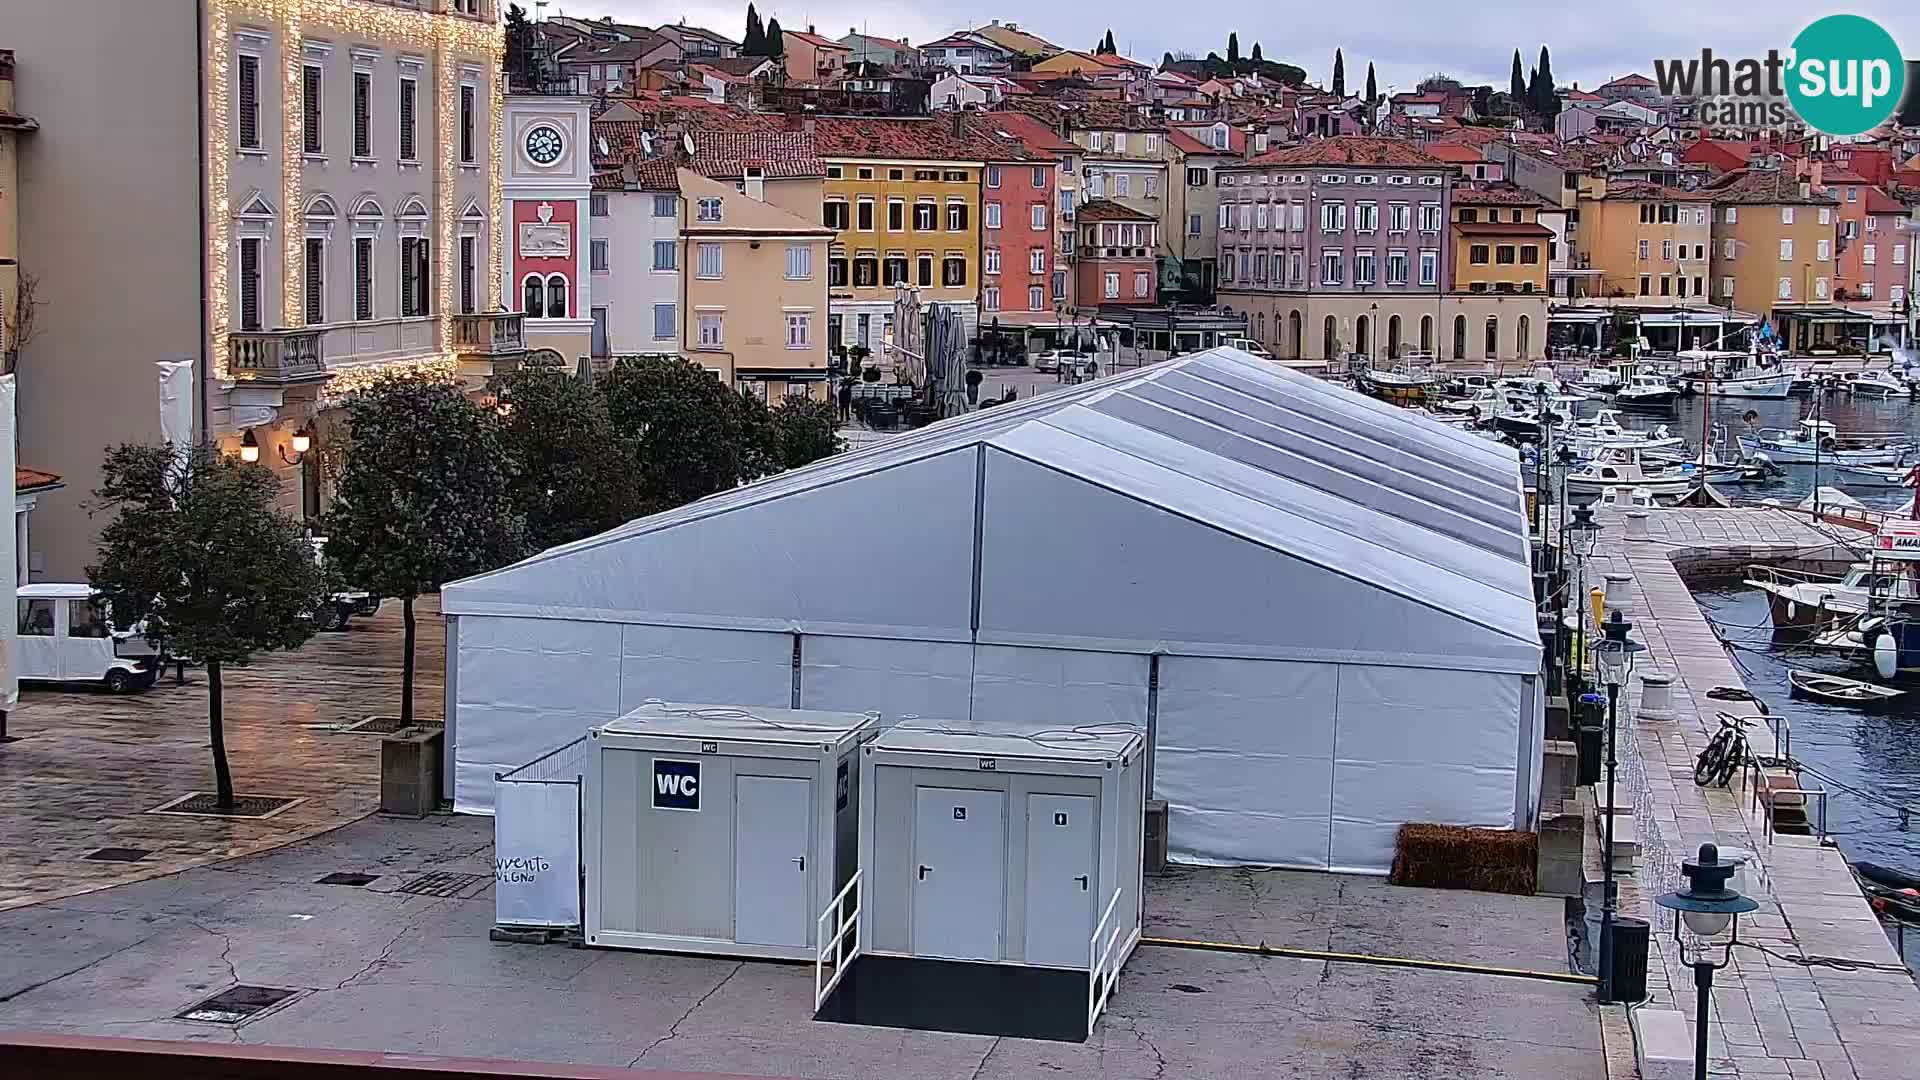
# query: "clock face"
x,y
544,145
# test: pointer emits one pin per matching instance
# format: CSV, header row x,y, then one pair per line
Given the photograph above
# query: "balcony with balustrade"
x,y
277,358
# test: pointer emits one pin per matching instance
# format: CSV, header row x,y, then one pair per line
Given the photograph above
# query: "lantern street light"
x,y
249,447
1582,534
1544,419
1614,657
1707,905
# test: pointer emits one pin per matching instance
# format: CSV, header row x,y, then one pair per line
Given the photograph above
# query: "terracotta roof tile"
x,y
1765,187
1503,228
725,155
1348,150
25,479
1108,210
1456,153
1032,131
1641,191
1498,195
929,139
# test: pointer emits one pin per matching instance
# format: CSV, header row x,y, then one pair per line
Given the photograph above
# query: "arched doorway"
x,y
1330,340
1459,337
1293,333
1426,334
1363,336
1493,337
1393,337
1260,324
1521,343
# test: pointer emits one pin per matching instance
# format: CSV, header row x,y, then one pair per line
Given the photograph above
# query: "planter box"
x,y
410,771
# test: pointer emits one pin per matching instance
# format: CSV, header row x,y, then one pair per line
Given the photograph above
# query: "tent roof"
x,y
1228,443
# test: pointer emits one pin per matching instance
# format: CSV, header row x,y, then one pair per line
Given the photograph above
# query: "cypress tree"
x,y
776,44
1548,104
1339,74
1233,48
755,40
1256,52
1518,90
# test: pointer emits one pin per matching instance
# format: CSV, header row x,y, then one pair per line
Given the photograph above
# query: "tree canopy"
x,y
776,43
694,435
754,41
1518,89
806,431
570,469
1255,57
199,551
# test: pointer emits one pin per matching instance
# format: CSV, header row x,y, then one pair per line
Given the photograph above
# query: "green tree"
x,y
1373,91
199,551
1256,52
570,470
1233,48
807,430
1548,102
1339,74
423,497
776,42
1108,47
754,41
694,436
1166,61
1518,90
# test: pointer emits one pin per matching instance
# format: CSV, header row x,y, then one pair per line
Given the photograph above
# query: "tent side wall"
x,y
1316,765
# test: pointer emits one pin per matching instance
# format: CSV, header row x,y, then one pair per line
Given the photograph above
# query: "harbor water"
x,y
1868,760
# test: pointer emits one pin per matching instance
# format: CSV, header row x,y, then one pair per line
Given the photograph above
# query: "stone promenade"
x,y
1774,1015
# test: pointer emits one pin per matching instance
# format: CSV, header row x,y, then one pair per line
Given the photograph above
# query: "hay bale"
x,y
1460,857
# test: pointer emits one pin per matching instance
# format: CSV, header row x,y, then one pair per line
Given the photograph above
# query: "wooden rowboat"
x,y
1838,691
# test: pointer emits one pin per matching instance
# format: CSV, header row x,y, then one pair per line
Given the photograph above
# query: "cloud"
x,y
1405,40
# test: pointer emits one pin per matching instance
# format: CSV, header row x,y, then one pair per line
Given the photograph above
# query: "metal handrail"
x,y
1100,975
1820,829
844,922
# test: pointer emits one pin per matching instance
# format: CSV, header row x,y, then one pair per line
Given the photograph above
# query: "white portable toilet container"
x,y
719,829
1004,867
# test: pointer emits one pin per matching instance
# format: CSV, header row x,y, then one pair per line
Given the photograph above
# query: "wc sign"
x,y
676,785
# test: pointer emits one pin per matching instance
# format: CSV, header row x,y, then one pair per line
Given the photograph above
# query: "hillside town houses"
x,y
437,189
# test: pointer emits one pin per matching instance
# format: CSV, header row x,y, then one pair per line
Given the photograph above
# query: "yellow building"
x,y
1773,238
12,127
902,196
1499,244
1644,240
755,277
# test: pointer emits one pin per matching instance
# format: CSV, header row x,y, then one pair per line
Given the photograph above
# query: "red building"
x,y
1116,254
1016,233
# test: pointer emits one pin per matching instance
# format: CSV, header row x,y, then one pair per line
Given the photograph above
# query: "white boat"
x,y
1647,392
1819,439
1804,603
1624,498
1600,381
1874,475
1406,381
1484,402
1734,375
1606,429
1878,383
1622,466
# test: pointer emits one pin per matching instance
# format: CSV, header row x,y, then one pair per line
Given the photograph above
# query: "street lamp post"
x,y
1707,905
1582,534
1614,657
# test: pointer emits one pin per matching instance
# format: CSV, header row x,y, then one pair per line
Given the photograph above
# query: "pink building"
x,y
1016,235
1116,255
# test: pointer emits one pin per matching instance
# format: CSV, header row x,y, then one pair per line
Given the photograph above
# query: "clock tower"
x,y
546,184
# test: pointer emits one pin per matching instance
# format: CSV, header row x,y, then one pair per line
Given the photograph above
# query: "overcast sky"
x,y
1406,40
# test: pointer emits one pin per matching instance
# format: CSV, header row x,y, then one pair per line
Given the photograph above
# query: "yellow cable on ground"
x,y
1364,958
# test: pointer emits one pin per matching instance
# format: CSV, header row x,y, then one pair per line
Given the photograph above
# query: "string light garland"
x,y
449,38
351,380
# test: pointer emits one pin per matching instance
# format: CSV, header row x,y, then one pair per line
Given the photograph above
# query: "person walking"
x,y
846,400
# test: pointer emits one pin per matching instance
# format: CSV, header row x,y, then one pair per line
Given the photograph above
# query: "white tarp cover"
x,y
1022,564
536,853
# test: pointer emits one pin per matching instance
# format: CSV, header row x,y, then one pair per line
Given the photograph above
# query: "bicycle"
x,y
1728,750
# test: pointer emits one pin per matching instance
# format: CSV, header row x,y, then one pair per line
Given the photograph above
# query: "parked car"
x,y
1251,346
342,603
1053,360
65,636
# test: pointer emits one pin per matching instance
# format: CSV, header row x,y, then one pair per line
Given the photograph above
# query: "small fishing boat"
x,y
1483,403
1820,440
1734,375
1874,475
1804,603
1835,690
1406,382
1878,383
1650,392
1623,466
1889,892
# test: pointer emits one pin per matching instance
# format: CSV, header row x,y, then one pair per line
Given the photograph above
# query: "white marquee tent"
x,y
1317,605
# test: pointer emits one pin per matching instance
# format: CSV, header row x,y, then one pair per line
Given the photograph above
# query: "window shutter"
x,y
407,91
363,278
250,284
310,108
316,280
466,274
362,94
250,102
466,123
407,256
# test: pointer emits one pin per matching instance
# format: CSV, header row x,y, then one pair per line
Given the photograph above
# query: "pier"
x,y
1852,1012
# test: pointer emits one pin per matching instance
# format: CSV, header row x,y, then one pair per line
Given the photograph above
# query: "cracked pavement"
x,y
381,969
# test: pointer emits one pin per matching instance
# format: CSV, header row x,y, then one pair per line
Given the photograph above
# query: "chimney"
x,y
754,183
629,174
811,30
959,123
1249,152
1806,190
806,122
1819,173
